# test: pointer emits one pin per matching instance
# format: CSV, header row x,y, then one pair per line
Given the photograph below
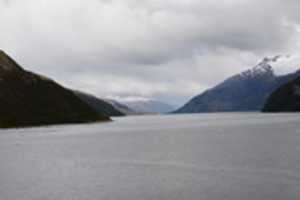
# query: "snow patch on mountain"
x,y
277,65
261,69
285,64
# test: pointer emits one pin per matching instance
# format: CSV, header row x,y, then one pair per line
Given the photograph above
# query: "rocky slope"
x,y
246,91
28,99
285,99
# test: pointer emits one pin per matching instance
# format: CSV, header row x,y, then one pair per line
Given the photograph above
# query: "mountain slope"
x,y
28,99
149,106
121,107
100,105
285,99
247,91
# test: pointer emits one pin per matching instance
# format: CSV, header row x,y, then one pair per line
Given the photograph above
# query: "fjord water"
x,y
249,156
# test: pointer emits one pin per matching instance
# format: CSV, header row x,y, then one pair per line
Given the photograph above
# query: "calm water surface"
x,y
240,156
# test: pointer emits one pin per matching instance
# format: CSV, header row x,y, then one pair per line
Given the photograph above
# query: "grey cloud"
x,y
166,49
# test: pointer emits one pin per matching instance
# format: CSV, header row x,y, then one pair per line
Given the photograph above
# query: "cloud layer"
x,y
170,50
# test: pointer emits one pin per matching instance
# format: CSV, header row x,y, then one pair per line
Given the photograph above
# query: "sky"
x,y
160,49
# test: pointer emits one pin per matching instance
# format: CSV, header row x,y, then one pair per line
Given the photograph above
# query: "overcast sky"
x,y
169,50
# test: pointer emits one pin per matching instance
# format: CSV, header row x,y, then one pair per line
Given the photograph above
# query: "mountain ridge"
x,y
246,91
28,99
285,99
100,105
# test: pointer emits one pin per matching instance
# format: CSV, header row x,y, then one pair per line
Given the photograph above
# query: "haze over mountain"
x,y
122,107
28,99
100,105
285,99
109,107
148,106
246,91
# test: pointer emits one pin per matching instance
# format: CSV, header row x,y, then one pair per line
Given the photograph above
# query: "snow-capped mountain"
x,y
246,91
261,69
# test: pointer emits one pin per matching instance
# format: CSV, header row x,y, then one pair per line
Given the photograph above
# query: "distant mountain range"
x,y
247,91
100,105
285,99
28,99
148,106
122,107
109,107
